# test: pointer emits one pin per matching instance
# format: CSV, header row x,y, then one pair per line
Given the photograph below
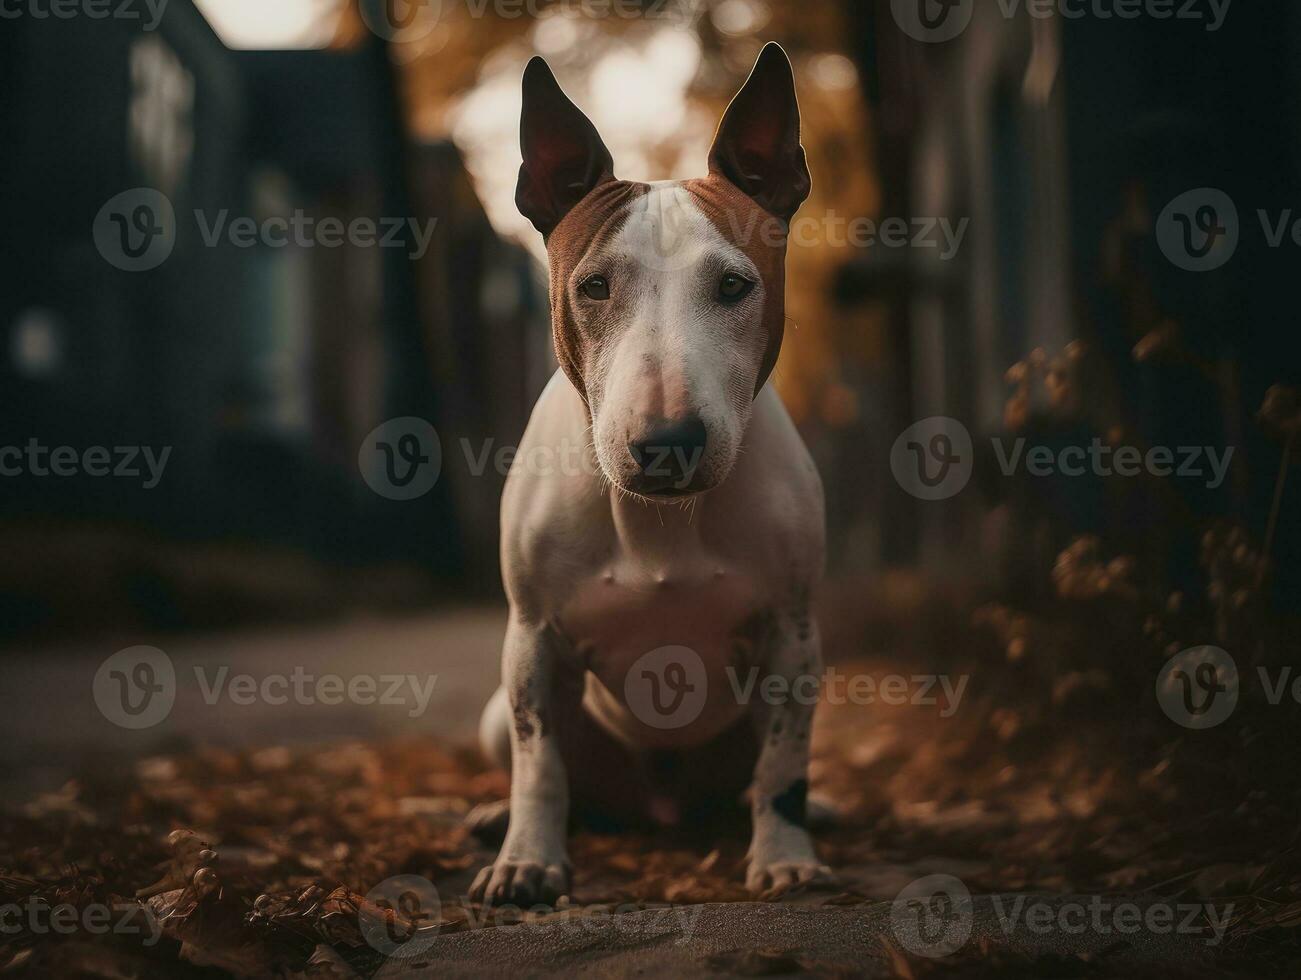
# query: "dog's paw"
x,y
775,877
521,882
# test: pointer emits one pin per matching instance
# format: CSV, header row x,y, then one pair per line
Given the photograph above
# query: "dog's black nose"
x,y
669,454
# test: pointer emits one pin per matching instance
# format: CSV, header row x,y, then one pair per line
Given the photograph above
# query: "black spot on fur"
x,y
524,713
800,617
792,803
523,726
754,637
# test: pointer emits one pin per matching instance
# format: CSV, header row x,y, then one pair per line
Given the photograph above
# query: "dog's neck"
x,y
655,529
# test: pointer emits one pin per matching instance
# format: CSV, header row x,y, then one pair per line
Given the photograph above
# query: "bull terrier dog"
x,y
649,589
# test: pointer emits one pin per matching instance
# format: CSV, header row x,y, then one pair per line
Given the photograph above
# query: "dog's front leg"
x,y
781,851
533,865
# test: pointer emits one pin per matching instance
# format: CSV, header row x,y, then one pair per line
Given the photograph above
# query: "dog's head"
x,y
667,299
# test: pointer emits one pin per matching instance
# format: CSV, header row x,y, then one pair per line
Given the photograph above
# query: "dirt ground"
x,y
254,839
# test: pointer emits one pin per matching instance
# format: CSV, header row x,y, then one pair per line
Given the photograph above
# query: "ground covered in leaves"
x,y
1054,772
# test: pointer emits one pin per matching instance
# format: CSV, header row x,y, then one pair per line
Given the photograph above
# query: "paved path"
x,y
51,726
720,940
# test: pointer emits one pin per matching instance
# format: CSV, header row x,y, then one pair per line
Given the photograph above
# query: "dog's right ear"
x,y
564,157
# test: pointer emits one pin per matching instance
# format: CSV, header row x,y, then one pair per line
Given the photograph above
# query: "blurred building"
x,y
1058,139
1063,138
263,367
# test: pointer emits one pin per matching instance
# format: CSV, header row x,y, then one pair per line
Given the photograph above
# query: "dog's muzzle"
x,y
668,458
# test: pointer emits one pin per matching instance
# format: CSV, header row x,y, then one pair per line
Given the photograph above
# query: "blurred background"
x,y
239,379
1057,140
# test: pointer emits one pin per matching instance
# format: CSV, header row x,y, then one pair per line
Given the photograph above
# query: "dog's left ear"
x,y
564,157
757,146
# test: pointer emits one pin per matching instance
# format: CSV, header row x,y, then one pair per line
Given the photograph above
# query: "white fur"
x,y
596,579
664,267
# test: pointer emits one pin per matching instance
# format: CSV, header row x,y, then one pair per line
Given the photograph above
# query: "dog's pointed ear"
x,y
757,146
564,157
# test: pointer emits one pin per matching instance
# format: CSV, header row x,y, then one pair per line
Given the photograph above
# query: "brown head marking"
x,y
667,299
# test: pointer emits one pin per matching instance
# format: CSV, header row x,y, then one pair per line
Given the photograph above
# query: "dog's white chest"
x,y
619,580
667,645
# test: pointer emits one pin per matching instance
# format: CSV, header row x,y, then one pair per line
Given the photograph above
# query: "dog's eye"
x,y
595,287
733,288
